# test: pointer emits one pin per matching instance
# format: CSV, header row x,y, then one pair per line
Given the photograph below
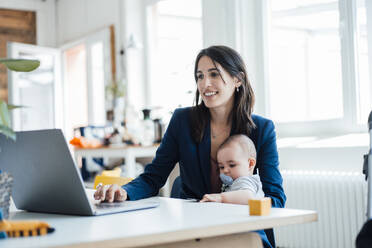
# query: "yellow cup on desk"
x,y
111,177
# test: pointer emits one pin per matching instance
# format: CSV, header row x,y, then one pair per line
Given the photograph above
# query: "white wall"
x,y
223,21
136,70
45,18
77,18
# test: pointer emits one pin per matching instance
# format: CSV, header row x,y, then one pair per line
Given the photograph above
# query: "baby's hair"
x,y
244,142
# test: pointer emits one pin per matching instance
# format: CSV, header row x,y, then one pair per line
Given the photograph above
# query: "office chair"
x,y
364,238
176,188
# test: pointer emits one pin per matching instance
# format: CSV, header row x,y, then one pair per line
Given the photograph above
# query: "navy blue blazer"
x,y
194,161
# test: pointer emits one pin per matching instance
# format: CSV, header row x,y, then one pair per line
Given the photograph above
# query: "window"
x,y
318,65
174,38
86,64
98,83
76,88
39,91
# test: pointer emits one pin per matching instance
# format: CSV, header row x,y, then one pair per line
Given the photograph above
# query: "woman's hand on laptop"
x,y
110,193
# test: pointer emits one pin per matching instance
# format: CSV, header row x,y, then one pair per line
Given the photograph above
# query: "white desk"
x,y
175,223
130,153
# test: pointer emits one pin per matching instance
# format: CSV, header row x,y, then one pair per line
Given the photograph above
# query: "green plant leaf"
x,y
7,132
4,114
24,65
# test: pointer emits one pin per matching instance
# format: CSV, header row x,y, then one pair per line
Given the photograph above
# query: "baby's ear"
x,y
252,163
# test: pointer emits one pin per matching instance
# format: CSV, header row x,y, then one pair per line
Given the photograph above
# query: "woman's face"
x,y
215,85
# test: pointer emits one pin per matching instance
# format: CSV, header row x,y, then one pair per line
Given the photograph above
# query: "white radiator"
x,y
340,200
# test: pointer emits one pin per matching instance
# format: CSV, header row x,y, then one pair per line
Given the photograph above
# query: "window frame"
x,y
348,41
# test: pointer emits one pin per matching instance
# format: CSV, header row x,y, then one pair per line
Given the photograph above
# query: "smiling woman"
x,y
225,108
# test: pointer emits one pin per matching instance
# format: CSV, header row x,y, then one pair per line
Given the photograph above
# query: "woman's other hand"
x,y
212,198
110,193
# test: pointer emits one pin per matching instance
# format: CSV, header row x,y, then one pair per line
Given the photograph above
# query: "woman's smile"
x,y
210,97
210,93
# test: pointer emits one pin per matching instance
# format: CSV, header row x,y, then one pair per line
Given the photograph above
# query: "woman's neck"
x,y
220,115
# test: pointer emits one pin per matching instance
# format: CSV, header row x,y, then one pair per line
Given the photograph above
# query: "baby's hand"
x,y
212,198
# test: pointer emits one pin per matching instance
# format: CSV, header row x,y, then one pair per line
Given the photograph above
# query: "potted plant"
x,y
6,180
115,92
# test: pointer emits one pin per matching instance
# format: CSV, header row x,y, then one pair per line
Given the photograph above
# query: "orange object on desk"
x,y
83,142
260,207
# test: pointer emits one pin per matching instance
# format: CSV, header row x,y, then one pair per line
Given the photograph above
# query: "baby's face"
x,y
233,162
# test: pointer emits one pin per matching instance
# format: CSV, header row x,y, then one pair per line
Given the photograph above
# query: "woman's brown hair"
x,y
240,115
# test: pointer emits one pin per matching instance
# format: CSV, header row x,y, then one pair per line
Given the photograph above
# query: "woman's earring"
x,y
237,89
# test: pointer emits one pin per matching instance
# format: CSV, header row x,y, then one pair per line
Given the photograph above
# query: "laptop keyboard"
x,y
106,205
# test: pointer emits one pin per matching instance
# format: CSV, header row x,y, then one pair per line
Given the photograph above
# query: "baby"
x,y
236,160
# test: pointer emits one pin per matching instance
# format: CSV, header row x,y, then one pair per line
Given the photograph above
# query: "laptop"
x,y
47,180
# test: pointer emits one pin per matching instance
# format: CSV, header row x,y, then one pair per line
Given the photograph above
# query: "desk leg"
x,y
241,240
130,163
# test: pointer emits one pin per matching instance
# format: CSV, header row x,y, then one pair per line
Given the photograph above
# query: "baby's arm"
x,y
237,197
234,197
212,198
